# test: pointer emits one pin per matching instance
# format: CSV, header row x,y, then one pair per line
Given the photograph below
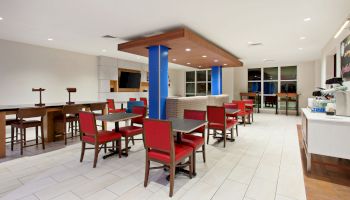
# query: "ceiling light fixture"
x,y
216,60
300,48
342,28
1,18
174,59
49,39
307,19
188,63
225,64
199,66
302,38
204,56
255,43
188,49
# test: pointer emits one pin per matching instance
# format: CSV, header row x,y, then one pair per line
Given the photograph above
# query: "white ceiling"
x,y
78,25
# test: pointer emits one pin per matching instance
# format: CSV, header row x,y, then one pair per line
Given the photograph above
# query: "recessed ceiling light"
x,y
225,64
204,56
1,18
307,19
255,43
300,48
49,39
302,38
188,63
216,60
199,66
342,28
104,50
188,49
174,59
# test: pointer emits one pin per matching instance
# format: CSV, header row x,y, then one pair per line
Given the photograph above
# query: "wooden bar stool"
x,y
23,123
70,115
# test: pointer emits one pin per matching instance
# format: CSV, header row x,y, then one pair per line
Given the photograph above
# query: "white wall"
x,y
24,66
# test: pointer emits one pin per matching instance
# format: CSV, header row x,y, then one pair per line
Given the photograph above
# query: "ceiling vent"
x,y
268,60
109,36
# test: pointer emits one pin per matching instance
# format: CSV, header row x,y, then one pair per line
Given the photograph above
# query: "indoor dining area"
x,y
149,100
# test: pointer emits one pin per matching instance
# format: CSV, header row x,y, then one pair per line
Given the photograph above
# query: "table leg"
x,y
308,162
116,151
2,134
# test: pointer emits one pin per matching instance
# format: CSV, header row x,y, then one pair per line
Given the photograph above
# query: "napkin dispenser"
x,y
342,103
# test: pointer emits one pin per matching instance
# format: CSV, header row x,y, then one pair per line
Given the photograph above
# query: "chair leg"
x,y
120,148
237,129
146,173
21,140
72,129
16,134
36,135
132,140
12,137
232,134
82,151
244,120
172,176
105,148
25,136
65,133
253,116
193,163
224,132
126,146
203,152
96,155
42,136
208,131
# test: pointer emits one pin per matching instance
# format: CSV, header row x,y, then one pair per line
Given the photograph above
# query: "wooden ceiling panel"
x,y
203,54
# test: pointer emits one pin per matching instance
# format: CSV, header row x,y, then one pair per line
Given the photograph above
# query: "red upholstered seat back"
x,y
196,115
158,135
216,114
230,105
111,105
144,100
132,99
240,104
141,110
87,123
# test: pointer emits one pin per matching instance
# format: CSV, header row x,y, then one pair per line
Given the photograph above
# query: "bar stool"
x,y
70,115
22,124
97,109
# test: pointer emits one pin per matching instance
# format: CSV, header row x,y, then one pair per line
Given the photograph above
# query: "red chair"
x,y
160,148
233,116
132,99
242,113
249,107
193,140
111,107
130,131
144,100
91,135
217,121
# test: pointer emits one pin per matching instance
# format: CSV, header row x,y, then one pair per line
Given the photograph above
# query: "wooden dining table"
x,y
52,110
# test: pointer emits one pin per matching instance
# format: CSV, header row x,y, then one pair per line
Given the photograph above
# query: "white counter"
x,y
325,135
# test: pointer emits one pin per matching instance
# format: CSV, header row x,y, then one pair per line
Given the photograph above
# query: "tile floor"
x,y
262,164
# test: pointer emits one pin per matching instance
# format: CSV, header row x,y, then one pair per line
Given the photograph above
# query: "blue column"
x,y
216,80
158,81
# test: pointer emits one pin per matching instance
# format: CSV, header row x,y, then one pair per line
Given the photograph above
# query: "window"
x,y
271,80
198,83
288,84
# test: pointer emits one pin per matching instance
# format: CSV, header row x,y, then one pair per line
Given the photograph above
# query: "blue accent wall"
x,y
216,80
158,81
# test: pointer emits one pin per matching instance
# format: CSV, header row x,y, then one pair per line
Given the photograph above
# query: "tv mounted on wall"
x,y
129,79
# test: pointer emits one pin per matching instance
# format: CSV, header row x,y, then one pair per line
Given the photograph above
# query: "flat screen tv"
x,y
129,79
